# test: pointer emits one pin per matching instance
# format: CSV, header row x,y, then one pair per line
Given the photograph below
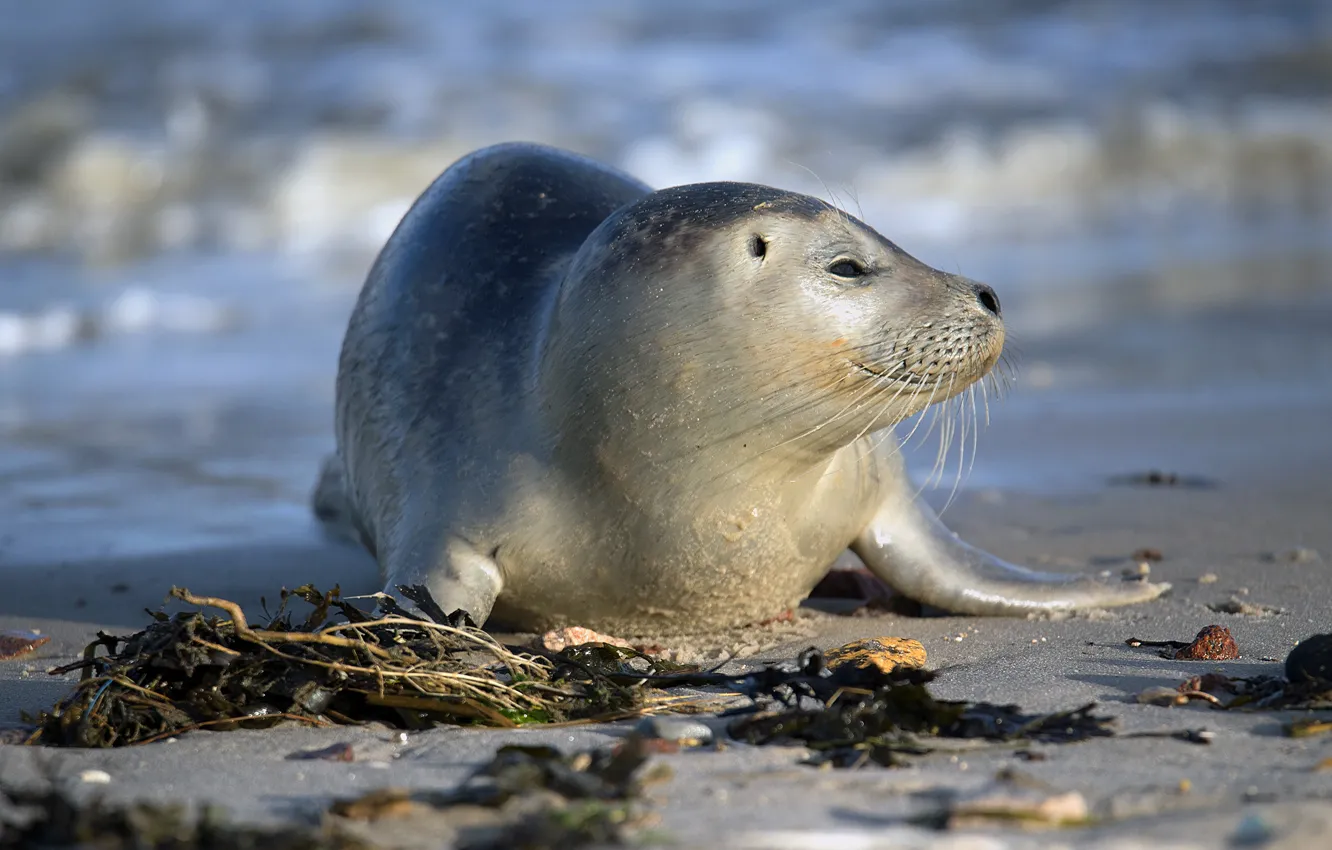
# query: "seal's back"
x,y
438,345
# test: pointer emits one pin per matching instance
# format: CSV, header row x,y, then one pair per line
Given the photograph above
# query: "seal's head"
x,y
874,318
792,318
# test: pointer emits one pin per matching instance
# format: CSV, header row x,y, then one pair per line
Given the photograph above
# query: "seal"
x,y
565,398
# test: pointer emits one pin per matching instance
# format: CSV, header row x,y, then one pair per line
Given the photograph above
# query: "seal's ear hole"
x,y
758,246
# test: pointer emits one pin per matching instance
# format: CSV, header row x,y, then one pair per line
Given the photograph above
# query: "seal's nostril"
x,y
985,295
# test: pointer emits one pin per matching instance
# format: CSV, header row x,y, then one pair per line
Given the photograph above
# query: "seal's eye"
x,y
847,269
758,246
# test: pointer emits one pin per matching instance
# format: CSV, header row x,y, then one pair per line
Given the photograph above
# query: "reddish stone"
x,y
1213,643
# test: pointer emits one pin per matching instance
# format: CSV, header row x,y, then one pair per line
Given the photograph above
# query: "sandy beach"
x,y
1042,493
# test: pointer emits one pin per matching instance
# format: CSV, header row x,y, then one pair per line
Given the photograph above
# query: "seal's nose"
x,y
985,295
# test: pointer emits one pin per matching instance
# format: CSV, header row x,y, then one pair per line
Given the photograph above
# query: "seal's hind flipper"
x,y
332,507
908,547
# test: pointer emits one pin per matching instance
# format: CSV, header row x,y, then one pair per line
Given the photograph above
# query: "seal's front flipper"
x,y
908,547
463,578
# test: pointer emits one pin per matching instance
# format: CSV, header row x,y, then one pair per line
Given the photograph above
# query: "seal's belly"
x,y
692,570
670,593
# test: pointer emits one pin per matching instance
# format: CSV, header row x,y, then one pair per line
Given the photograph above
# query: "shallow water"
x,y
188,199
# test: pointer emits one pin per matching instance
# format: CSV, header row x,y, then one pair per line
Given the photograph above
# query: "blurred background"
x,y
192,190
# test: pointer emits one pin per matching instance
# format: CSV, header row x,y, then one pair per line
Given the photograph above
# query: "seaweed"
x,y
864,715
190,671
49,817
344,665
1306,686
542,799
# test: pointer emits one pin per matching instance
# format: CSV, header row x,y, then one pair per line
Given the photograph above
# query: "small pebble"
x,y
1252,830
683,729
95,777
1207,578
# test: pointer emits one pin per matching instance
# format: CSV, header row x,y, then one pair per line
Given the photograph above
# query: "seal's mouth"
x,y
873,373
924,373
907,379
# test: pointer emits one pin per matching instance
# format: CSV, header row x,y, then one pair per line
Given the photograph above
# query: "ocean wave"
x,y
134,129
133,311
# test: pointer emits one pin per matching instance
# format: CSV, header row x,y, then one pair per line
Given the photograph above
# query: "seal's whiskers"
x,y
864,396
947,428
856,403
964,400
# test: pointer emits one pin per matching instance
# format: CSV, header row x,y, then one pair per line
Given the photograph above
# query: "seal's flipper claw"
x,y
908,547
465,579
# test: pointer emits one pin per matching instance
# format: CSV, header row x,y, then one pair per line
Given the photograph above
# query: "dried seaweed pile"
x,y
860,715
342,664
191,671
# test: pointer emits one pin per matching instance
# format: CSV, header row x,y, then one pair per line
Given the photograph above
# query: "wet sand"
x,y
1177,393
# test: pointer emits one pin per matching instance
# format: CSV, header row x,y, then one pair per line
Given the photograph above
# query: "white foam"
x,y
138,310
134,311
